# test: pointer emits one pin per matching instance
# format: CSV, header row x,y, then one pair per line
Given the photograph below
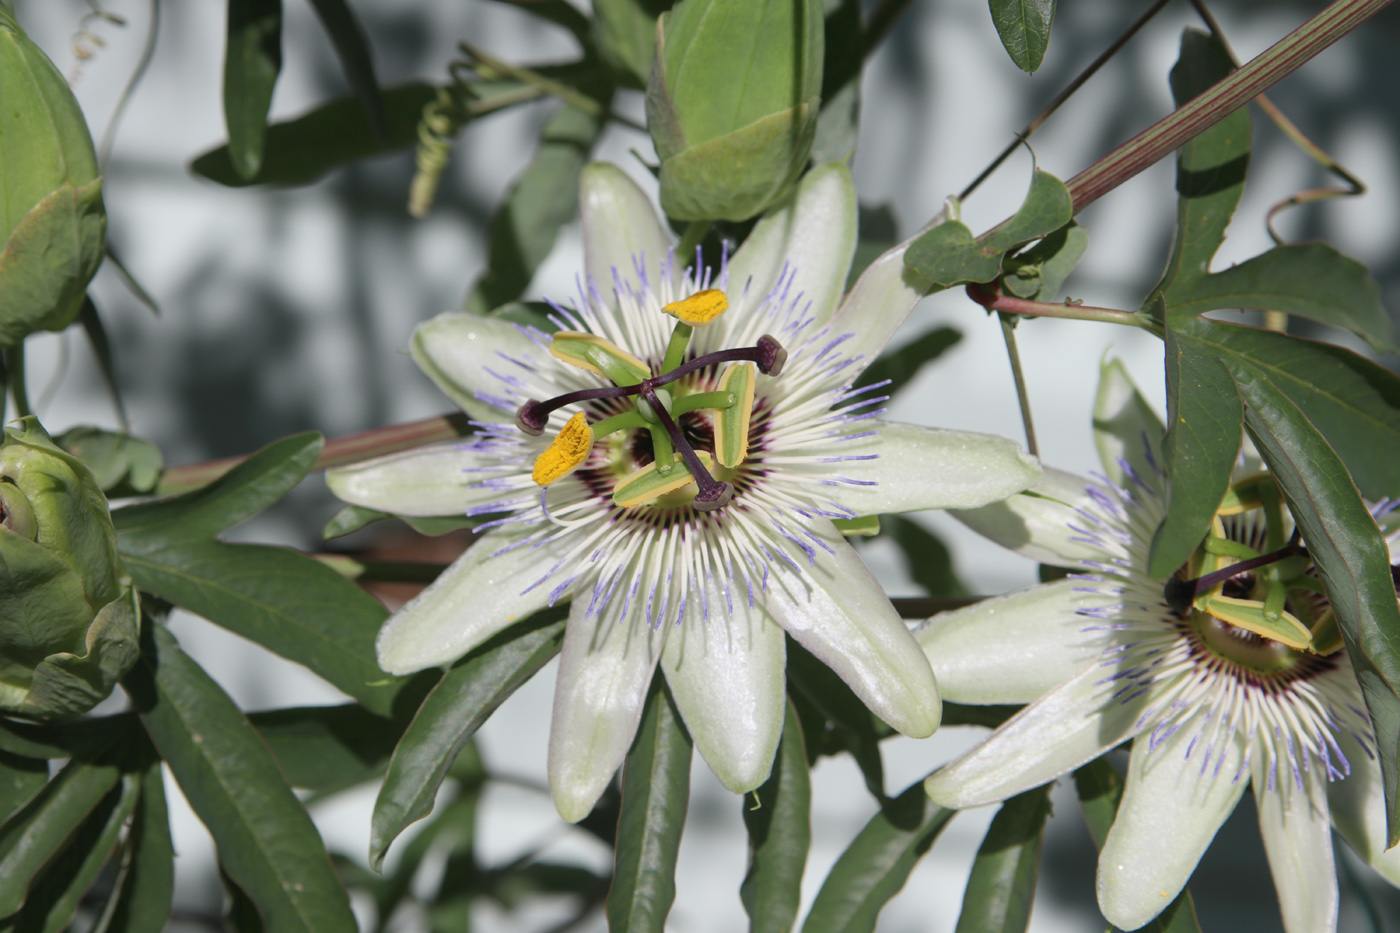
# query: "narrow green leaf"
x,y
877,863
543,199
902,365
252,61
350,520
265,838
352,48
1024,28
1100,789
1350,554
1002,884
238,495
20,779
843,722
780,832
35,834
326,748
450,715
1204,419
240,913
96,335
655,791
926,557
129,280
79,738
146,888
301,150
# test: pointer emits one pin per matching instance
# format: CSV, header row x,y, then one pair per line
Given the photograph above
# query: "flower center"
x,y
655,410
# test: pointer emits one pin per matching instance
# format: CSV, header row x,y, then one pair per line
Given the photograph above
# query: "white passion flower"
x,y
1232,677
672,460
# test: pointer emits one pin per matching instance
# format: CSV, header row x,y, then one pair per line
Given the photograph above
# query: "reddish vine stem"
x,y
990,296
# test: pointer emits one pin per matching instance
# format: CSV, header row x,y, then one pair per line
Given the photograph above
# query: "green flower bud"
x,y
68,611
732,103
52,221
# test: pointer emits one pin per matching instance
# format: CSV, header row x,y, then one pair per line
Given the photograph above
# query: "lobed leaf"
x,y
779,824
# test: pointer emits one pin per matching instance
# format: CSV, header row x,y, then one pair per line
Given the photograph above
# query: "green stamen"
x,y
675,348
622,422
719,400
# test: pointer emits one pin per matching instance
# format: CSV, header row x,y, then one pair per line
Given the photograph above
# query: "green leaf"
x,y
561,13
146,887
779,822
1204,419
838,122
876,864
302,150
625,32
543,199
327,748
20,779
1350,554
655,791
1002,884
350,520
841,722
450,715
352,48
1100,789
252,60
76,738
1038,273
1024,28
948,254
121,464
902,365
927,558
265,838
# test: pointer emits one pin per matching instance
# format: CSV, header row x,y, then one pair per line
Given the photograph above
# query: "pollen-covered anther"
x,y
700,309
567,452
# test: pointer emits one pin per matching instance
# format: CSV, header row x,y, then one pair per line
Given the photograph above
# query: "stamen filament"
x,y
628,419
719,399
1180,594
675,348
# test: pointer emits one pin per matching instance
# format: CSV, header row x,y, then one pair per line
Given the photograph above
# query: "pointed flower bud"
x,y
52,222
732,103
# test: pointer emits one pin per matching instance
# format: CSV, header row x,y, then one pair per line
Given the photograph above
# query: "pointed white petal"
x,y
835,609
915,468
1073,724
1171,808
1014,648
426,481
814,233
619,224
1044,523
1126,428
605,669
476,597
467,356
880,301
1298,842
726,675
1357,807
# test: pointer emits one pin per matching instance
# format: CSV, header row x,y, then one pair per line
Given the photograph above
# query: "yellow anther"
x,y
566,453
700,308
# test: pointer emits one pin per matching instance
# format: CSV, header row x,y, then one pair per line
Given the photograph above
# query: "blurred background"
x,y
288,310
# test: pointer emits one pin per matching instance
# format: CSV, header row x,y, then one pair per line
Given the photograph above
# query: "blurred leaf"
x,y
1350,554
147,886
351,519
326,748
352,48
949,255
96,335
876,864
468,693
129,280
121,464
838,122
543,199
845,723
877,232
1100,789
252,60
902,365
1024,28
927,558
655,791
20,779
780,833
517,886
1002,884
301,150
1038,273
625,32
266,840
989,717
435,525
560,13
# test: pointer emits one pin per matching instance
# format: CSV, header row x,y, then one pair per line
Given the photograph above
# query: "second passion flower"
x,y
672,459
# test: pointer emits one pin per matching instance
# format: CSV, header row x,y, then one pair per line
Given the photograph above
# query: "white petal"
x,y
1073,724
605,669
466,355
1357,806
880,301
619,224
1013,648
476,597
1044,523
426,481
836,610
1126,427
726,675
1298,842
1171,808
928,468
814,233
